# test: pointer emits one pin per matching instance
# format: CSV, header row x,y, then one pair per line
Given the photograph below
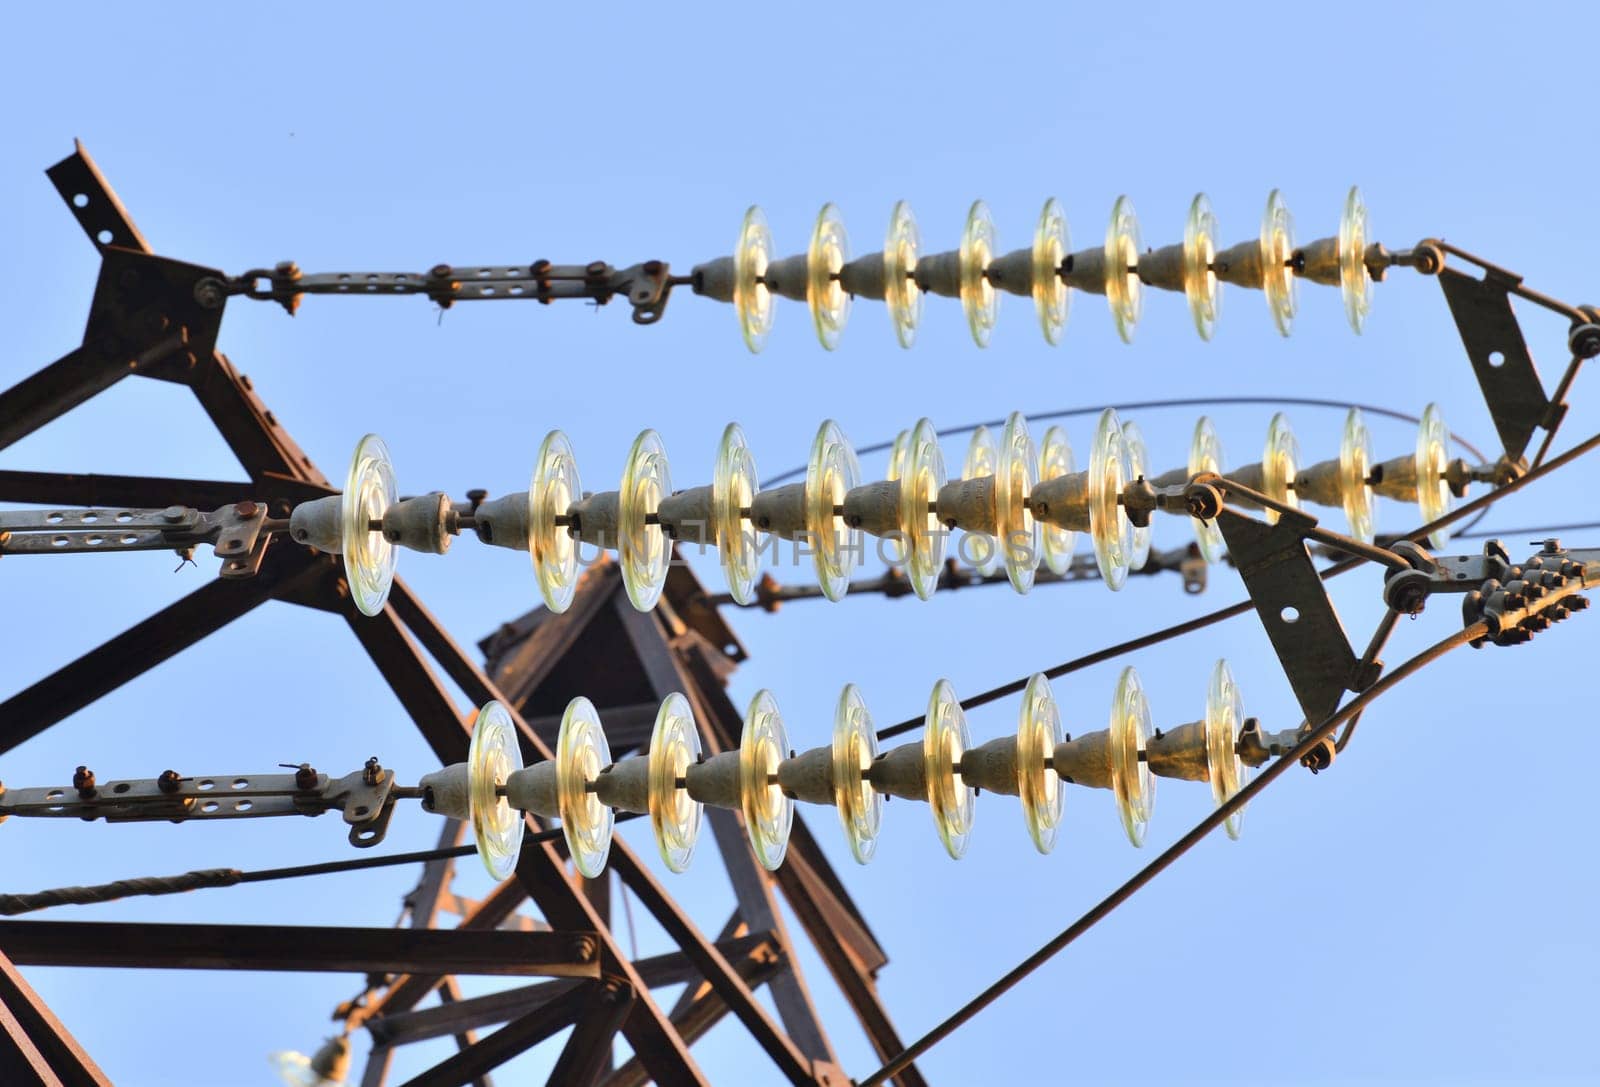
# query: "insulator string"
x,y
1105,906
1154,405
1478,506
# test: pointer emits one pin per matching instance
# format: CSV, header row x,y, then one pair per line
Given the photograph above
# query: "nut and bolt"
x,y
372,772
305,776
210,292
83,781
169,781
173,514
247,508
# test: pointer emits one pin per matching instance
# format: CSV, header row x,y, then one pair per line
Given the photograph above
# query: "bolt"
x,y
173,514
83,781
305,777
210,293
169,781
247,508
583,948
440,271
372,773
475,498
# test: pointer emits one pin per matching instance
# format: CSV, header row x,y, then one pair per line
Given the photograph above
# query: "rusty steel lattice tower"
x,y
638,634
148,320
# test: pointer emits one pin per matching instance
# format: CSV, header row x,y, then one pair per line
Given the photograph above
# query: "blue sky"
x,y
1420,913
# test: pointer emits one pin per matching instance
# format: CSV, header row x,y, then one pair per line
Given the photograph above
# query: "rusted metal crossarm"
x,y
516,1037
34,1046
296,948
791,1064
703,1010
672,968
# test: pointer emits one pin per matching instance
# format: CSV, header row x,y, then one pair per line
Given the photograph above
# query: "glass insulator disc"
x,y
674,814
492,757
752,300
828,253
551,492
1205,455
369,558
768,813
1131,780
1201,286
1124,291
1109,528
643,548
581,754
922,537
1016,473
1041,789
733,486
855,747
944,741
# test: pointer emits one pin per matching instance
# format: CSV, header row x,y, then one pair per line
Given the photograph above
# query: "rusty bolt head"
x,y
440,271
583,948
305,777
169,781
247,508
210,292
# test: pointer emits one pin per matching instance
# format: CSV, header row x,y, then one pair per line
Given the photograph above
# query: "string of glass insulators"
x,y
764,777
1019,503
827,279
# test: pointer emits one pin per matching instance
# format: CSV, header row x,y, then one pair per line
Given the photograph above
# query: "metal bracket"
x,y
1515,600
233,531
367,804
1295,610
1500,357
645,285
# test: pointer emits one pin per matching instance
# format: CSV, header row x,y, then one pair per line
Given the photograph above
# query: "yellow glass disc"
x,y
581,753
1200,283
1279,463
492,757
1016,473
674,814
1224,718
1433,457
1109,527
1123,288
551,492
828,253
369,558
733,485
752,300
855,746
901,248
768,813
1040,787
982,456
1138,467
1055,461
642,546
1131,780
1277,251
944,741
832,472
1051,298
920,469
1355,282
1355,466
978,297
1205,455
